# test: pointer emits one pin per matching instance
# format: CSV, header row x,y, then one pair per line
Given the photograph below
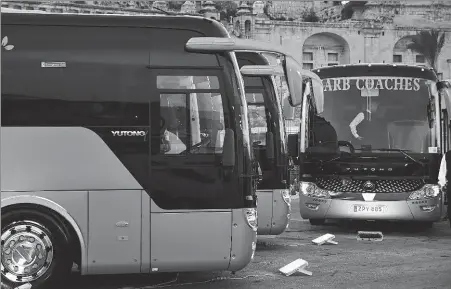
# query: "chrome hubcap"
x,y
27,252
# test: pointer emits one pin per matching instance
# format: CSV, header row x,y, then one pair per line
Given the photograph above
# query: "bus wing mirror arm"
x,y
228,153
293,145
270,148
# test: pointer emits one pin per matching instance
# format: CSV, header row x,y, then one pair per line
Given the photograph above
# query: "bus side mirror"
x,y
318,95
293,145
287,110
444,89
228,152
294,80
270,145
444,84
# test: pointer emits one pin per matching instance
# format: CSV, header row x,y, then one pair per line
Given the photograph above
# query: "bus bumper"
x,y
244,241
425,210
274,208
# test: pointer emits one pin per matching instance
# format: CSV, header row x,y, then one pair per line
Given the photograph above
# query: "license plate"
x,y
368,209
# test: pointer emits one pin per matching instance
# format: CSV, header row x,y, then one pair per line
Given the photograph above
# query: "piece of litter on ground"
x,y
326,238
370,236
298,265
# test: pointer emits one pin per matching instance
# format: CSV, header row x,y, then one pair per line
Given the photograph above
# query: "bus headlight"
x,y
251,218
254,247
286,196
427,192
311,190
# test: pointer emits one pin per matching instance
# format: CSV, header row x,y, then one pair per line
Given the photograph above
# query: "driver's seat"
x,y
324,136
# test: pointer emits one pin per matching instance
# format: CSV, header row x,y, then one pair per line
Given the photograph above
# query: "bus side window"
x,y
173,123
445,131
207,131
191,122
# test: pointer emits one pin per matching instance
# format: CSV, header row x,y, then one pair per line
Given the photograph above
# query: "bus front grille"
x,y
359,186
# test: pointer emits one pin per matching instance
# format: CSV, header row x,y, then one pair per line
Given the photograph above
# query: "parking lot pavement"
x,y
407,257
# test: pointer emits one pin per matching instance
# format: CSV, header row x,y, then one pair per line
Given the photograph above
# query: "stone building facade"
x,y
376,33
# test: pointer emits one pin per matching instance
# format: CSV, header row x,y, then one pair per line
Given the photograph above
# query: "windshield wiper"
x,y
401,151
339,157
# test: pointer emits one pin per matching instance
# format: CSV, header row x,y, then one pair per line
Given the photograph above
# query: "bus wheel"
x,y
35,250
317,222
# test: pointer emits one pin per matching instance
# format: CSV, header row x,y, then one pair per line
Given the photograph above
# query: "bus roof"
x,y
251,58
208,27
376,69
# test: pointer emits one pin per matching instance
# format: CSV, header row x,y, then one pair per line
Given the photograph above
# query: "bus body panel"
x,y
212,227
70,154
264,211
281,212
273,212
242,233
71,205
145,233
190,241
114,232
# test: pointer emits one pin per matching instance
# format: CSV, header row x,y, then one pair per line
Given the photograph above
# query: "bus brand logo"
x,y
5,44
53,64
122,224
369,169
369,186
129,133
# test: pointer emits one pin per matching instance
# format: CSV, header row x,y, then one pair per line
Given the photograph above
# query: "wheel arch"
x,y
45,205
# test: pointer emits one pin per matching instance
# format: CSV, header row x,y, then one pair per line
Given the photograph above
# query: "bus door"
x,y
192,194
260,125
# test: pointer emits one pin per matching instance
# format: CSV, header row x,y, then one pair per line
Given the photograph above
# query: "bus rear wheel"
x,y
34,250
317,222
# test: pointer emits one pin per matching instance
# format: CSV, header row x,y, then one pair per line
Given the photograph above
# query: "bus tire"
x,y
317,222
38,242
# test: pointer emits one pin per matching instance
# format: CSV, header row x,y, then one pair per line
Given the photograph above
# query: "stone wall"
x,y
344,42
90,7
429,10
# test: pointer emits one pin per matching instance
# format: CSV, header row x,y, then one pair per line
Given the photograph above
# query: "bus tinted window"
x,y
103,83
187,82
253,81
191,122
82,94
105,80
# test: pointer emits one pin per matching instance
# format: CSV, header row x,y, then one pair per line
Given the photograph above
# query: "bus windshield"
x,y
381,112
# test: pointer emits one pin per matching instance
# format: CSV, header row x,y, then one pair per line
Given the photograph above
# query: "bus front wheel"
x,y
317,222
34,250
